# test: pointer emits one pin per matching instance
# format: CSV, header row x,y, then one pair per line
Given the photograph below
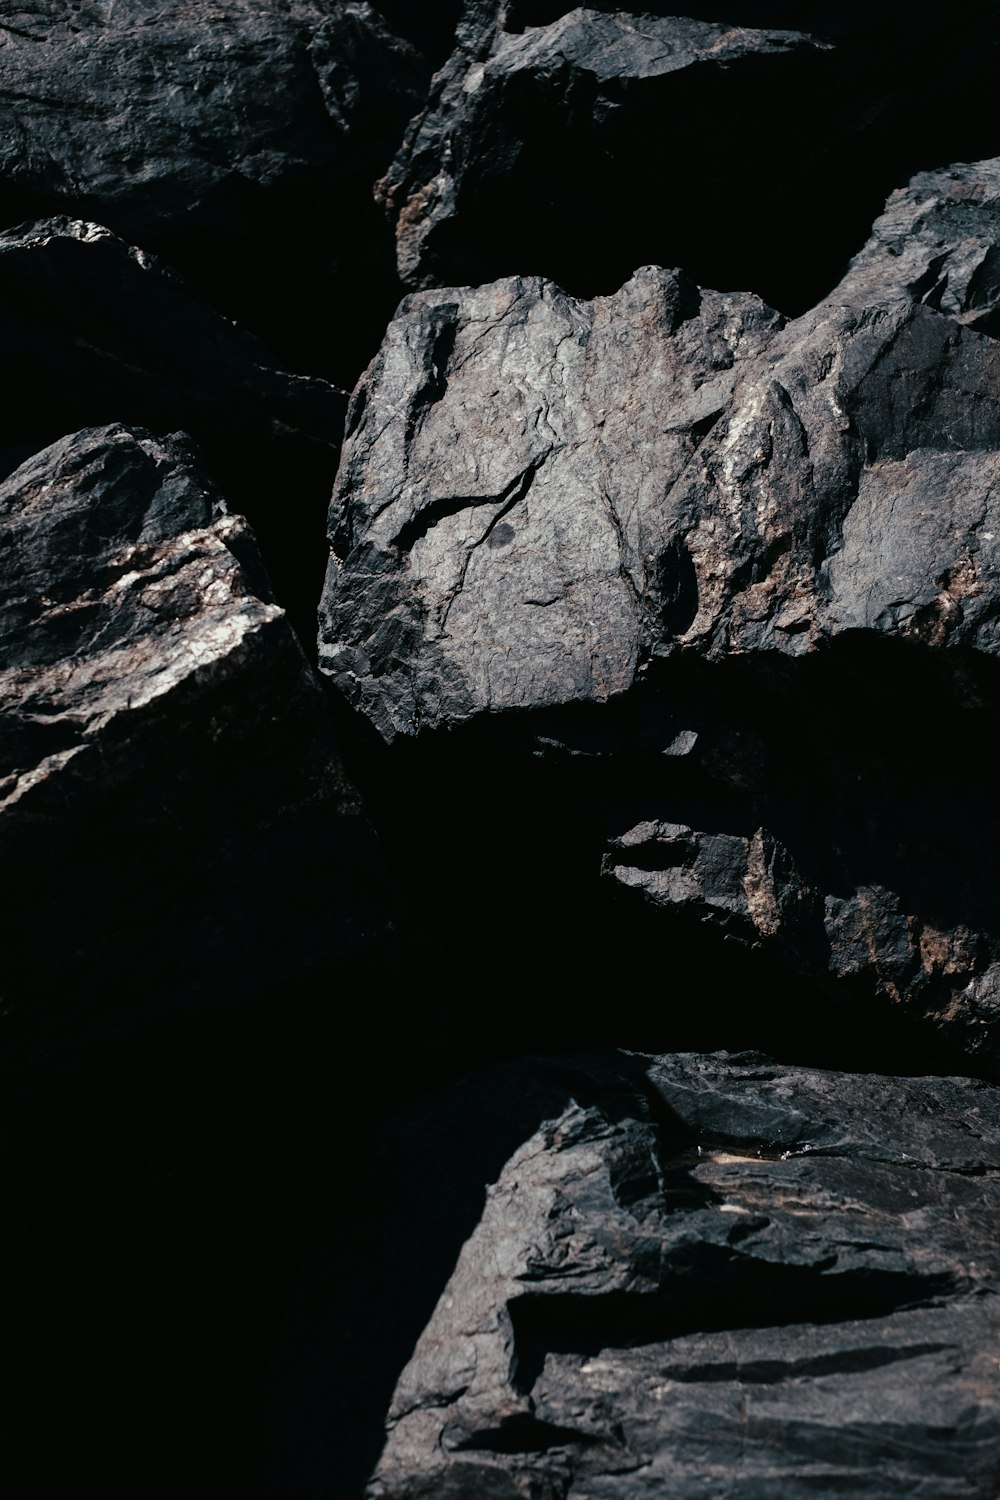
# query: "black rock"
x,y
713,1275
99,331
153,697
241,140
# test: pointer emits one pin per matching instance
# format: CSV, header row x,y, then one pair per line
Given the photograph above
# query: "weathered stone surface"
x,y
507,454
844,482
235,138
545,504
99,331
153,696
147,110
937,242
723,1277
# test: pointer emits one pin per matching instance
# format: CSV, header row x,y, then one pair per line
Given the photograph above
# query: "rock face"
x,y
540,496
100,332
203,131
149,684
726,1277
661,640
507,453
546,504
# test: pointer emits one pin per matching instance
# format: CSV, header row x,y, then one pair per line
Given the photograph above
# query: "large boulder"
x,y
506,454
538,496
153,696
752,552
240,139
713,1275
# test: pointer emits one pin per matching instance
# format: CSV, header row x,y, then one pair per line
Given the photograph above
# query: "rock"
x,y
240,140
551,122
100,332
937,242
505,455
721,1277
549,505
540,495
847,486
153,697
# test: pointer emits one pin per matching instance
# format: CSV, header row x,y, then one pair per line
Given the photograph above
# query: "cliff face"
x,y
624,840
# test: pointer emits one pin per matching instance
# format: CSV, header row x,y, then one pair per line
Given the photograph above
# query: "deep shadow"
x,y
764,176
715,1293
873,763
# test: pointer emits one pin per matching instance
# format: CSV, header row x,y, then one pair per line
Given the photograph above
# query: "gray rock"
x,y
519,120
539,495
147,109
508,453
546,504
749,1280
152,696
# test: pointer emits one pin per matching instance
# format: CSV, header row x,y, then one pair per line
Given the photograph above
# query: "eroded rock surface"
x,y
547,505
152,691
231,137
508,453
727,1278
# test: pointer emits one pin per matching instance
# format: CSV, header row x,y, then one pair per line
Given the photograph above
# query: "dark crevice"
x,y
419,525
525,1434
716,1292
676,586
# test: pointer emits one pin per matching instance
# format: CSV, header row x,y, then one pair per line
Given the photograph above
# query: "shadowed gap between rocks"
x,y
719,1292
873,762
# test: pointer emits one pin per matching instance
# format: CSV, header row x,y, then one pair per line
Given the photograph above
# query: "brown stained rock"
x,y
750,1280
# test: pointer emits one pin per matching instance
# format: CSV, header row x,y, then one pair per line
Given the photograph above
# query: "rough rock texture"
x,y
517,124
100,331
551,122
210,132
151,690
539,496
662,646
549,503
722,1277
507,453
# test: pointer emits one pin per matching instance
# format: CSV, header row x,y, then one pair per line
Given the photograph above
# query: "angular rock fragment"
x,y
938,242
240,139
545,504
745,1280
507,454
99,331
172,798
